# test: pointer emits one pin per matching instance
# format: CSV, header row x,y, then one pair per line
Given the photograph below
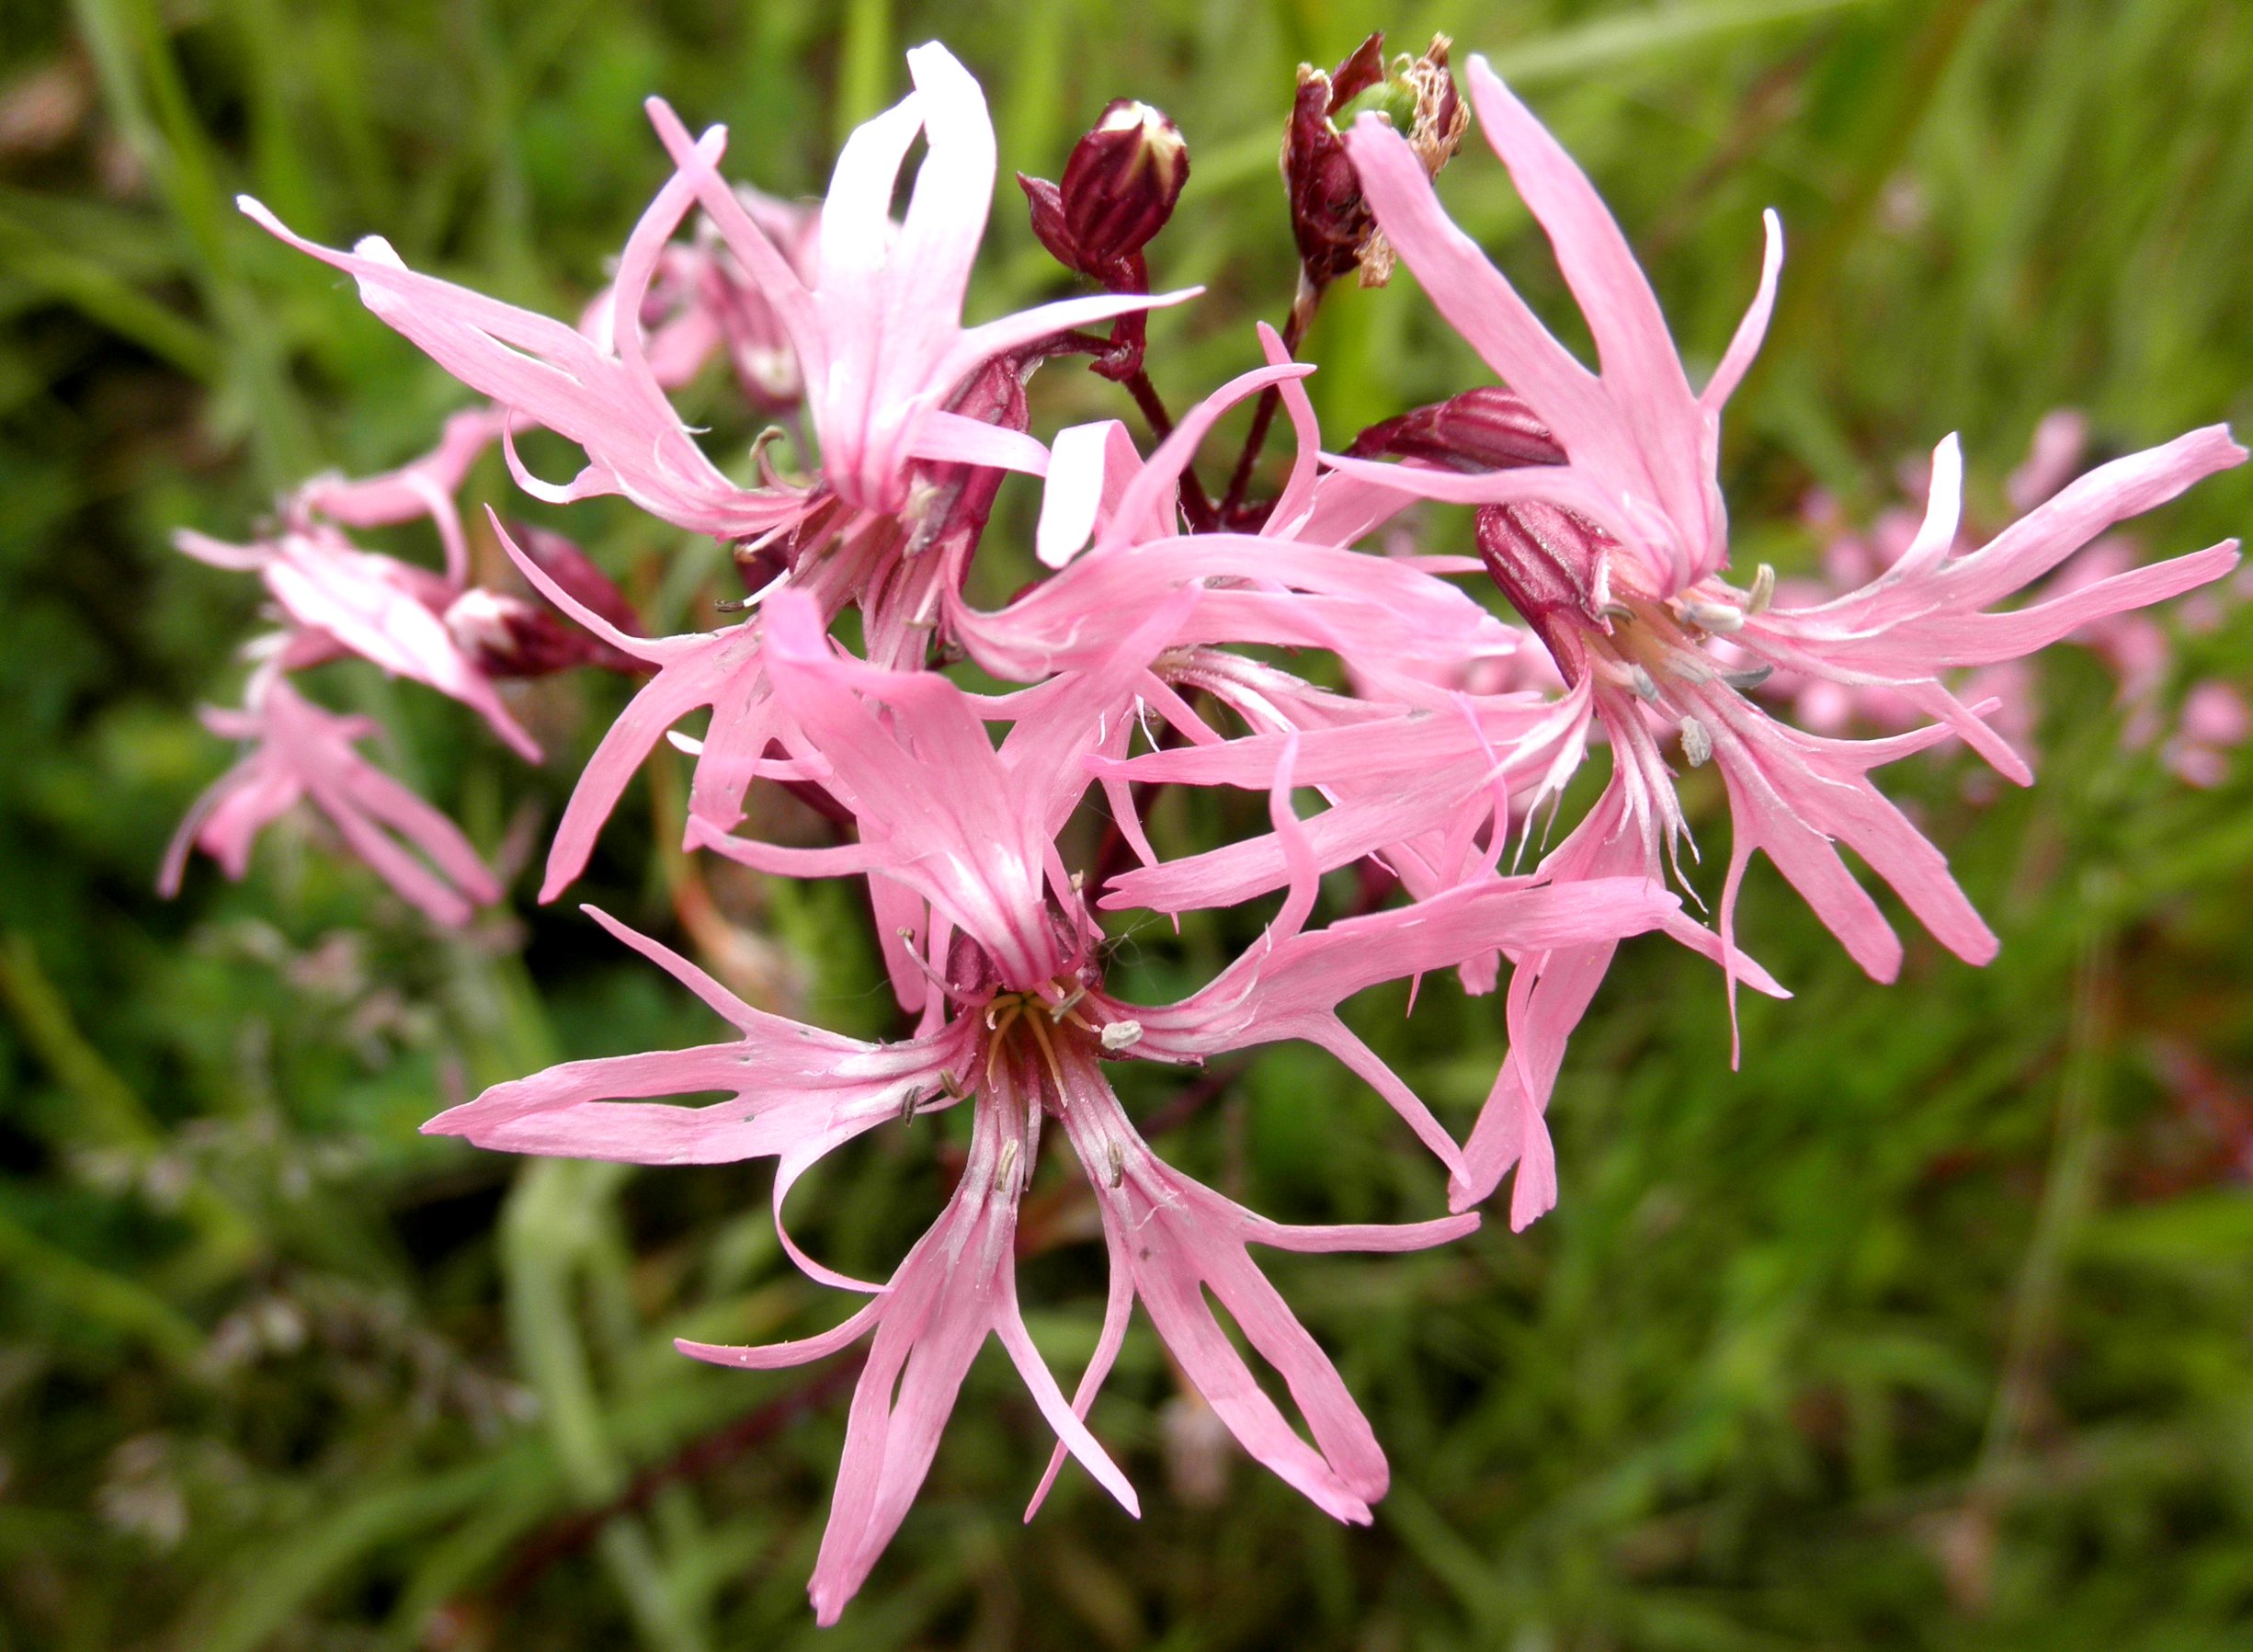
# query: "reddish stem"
x,y
1295,325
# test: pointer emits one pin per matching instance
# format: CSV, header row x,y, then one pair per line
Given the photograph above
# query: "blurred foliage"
x,y
1926,1329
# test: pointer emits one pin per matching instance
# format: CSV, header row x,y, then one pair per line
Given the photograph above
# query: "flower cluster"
x,y
1434,732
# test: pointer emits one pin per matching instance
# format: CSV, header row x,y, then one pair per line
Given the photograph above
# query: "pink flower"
x,y
1019,1022
300,751
878,332
1640,447
701,299
1606,531
2215,722
375,607
1933,608
877,335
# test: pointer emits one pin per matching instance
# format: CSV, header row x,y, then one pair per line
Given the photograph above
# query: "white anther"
x,y
1117,1163
1645,689
1711,615
1763,591
1008,1163
1122,1035
1697,744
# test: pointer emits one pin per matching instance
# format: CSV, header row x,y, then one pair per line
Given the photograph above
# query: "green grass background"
x,y
1928,1329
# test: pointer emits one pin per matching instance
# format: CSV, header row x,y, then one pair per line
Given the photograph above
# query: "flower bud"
x,y
1549,563
512,636
520,647
1332,224
1122,180
1484,429
572,568
1119,189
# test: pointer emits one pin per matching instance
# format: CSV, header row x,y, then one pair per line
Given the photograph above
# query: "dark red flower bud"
x,y
1484,429
1119,188
1122,180
1358,73
572,568
1546,560
1329,219
955,501
514,636
1548,563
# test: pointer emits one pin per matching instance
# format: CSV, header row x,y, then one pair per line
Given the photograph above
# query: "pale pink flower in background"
x,y
425,488
371,605
2215,722
298,752
436,629
699,302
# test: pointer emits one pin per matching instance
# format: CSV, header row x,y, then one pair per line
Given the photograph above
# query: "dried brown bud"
x,y
1484,429
1439,117
1119,188
1332,224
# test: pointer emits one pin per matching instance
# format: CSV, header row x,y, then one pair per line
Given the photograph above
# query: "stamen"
x,y
907,945
1048,1054
1122,1035
1117,1155
1002,1171
1709,616
1639,679
1745,681
1697,743
1763,592
1000,1031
